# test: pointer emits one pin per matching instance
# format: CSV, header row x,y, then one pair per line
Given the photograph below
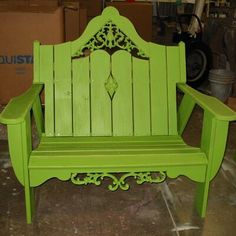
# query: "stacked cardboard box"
x,y
13,3
50,3
77,14
20,26
94,7
24,3
139,13
24,21
75,20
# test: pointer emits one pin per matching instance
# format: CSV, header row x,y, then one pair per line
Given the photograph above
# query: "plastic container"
x,y
221,83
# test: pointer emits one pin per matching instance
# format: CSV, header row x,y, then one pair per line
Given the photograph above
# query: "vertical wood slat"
x,y
36,62
173,76
122,101
81,97
158,83
141,97
182,59
46,76
100,100
63,91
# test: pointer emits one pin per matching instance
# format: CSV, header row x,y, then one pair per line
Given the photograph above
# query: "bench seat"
x,y
114,152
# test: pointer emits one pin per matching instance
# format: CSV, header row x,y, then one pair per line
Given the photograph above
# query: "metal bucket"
x,y
221,83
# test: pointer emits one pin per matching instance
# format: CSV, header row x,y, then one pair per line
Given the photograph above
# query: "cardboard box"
x,y
231,102
139,13
75,20
77,14
83,19
11,3
19,28
94,7
44,3
72,21
26,3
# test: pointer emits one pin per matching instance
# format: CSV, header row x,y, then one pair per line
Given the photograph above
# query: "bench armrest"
x,y
219,110
16,116
215,124
17,109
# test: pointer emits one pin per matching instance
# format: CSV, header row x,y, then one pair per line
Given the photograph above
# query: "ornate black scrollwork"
x,y
110,36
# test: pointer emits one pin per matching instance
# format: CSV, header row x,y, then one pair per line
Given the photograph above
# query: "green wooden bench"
x,y
110,107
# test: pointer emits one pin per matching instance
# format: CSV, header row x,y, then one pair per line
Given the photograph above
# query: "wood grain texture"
x,y
81,97
47,77
122,104
173,77
63,90
100,100
158,89
141,97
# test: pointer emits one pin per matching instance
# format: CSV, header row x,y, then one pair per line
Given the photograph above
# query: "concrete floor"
x,y
164,209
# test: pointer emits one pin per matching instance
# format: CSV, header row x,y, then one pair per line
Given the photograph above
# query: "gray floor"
x,y
164,209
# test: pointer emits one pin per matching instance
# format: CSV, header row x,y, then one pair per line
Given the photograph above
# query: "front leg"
x,y
213,142
20,147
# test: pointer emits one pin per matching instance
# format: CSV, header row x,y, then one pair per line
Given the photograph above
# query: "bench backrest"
x,y
109,82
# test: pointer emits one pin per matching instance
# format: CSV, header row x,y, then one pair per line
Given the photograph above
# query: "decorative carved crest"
x,y
110,36
96,178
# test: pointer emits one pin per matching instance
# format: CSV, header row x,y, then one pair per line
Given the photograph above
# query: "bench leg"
x,y
29,203
202,198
